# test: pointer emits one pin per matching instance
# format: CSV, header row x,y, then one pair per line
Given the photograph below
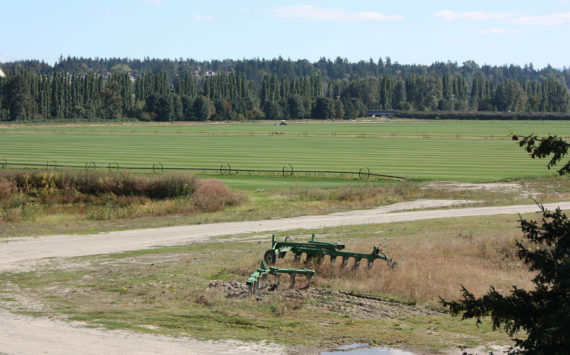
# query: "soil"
x,y
30,335
509,188
355,305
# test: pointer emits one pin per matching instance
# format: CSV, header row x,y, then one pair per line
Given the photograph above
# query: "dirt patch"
x,y
355,305
29,335
18,300
230,288
364,307
464,186
505,188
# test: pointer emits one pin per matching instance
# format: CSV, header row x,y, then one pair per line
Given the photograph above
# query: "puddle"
x,y
351,346
360,349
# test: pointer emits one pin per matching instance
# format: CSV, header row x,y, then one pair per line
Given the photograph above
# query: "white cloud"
x,y
202,18
318,13
154,2
546,20
499,31
5,57
449,15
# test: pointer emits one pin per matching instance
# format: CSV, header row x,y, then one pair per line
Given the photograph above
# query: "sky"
x,y
410,32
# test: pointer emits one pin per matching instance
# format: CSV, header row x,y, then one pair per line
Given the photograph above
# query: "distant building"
x,y
2,75
380,113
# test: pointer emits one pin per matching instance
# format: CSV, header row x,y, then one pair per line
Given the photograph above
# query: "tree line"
x,y
32,92
255,69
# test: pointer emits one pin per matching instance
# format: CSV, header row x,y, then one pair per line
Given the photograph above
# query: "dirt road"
x,y
20,253
27,335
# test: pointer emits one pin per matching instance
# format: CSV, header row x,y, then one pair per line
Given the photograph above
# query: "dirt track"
x,y
20,253
27,335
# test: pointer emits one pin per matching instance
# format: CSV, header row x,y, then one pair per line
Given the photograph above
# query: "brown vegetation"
x,y
100,195
431,266
211,195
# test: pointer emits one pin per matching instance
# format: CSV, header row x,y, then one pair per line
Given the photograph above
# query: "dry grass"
x,y
7,188
36,196
360,195
431,267
50,187
211,195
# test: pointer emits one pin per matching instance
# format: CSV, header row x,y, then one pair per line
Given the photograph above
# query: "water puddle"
x,y
361,349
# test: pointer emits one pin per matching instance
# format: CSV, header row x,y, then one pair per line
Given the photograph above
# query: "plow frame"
x,y
318,250
258,279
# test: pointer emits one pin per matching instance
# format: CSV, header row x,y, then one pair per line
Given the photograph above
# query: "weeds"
x,y
367,194
432,267
104,196
70,186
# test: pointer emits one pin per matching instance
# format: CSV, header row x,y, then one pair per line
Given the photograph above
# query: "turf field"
x,y
433,150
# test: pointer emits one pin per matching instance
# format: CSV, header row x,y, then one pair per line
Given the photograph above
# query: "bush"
x,y
171,185
7,188
212,196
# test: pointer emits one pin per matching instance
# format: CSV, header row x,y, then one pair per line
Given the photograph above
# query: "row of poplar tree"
x,y
231,96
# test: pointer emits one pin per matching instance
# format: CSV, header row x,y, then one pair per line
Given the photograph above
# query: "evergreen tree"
x,y
111,100
203,108
17,98
324,108
542,313
295,107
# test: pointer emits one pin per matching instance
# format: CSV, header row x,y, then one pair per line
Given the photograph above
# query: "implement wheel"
x,y
270,257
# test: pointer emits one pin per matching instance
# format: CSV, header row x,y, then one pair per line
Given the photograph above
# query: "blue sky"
x,y
489,32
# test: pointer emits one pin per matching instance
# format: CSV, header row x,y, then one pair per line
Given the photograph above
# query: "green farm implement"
x,y
316,251
258,279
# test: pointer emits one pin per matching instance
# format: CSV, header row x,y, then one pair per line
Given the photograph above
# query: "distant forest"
x,y
189,90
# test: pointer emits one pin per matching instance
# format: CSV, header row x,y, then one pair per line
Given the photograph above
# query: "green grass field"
x,y
431,150
421,128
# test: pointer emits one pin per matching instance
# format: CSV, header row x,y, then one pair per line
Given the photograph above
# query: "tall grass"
x,y
430,268
51,185
101,195
361,195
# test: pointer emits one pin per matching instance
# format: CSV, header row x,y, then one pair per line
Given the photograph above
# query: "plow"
x,y
316,251
258,279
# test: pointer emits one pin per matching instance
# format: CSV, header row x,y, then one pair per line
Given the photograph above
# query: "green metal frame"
x,y
257,279
317,250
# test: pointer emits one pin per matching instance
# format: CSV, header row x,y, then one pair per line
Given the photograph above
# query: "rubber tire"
x,y
395,265
270,257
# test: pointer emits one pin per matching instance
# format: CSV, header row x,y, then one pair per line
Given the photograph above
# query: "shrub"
x,y
7,188
48,186
212,196
172,185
